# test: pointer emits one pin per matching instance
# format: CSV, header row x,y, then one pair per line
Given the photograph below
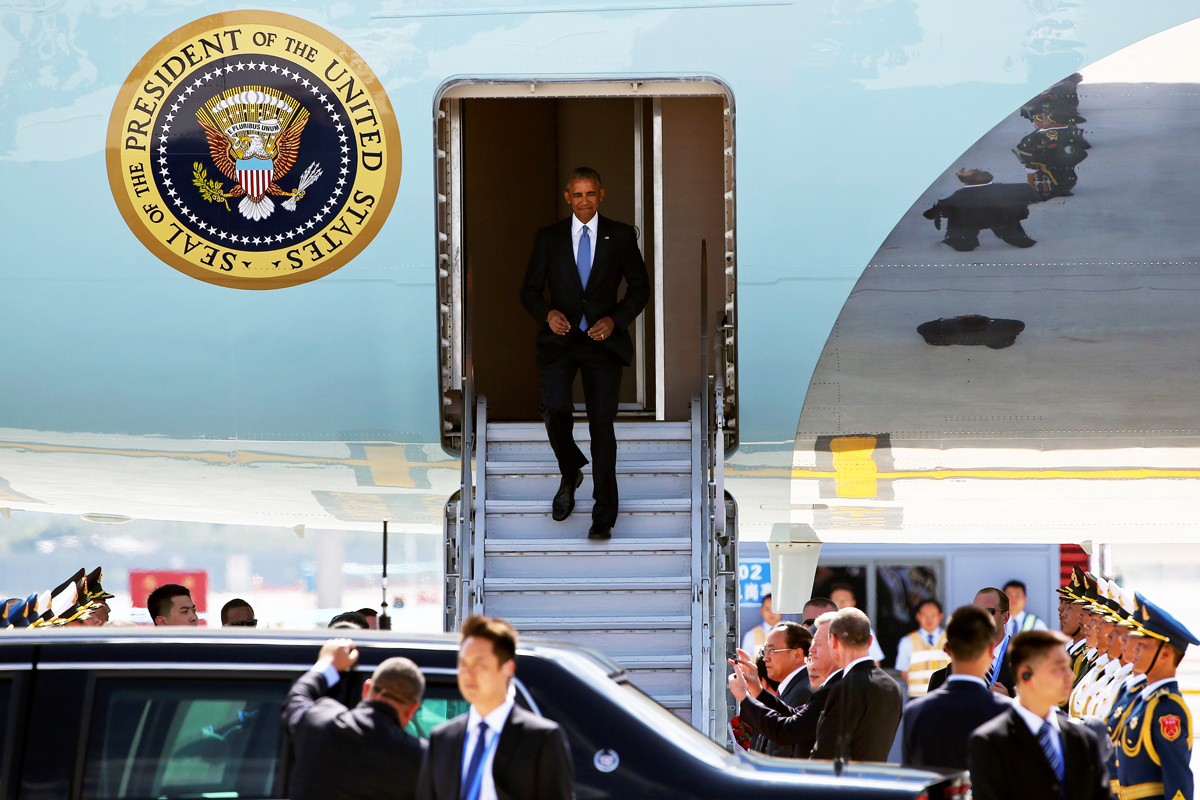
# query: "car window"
x,y
440,703
155,739
6,688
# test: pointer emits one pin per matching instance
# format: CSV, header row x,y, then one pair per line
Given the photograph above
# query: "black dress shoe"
x,y
600,532
564,500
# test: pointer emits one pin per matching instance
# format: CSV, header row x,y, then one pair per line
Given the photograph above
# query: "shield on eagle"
x,y
253,137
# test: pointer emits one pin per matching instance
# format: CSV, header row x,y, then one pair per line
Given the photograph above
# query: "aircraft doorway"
x,y
665,155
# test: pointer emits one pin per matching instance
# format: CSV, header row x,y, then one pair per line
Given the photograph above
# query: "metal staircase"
x,y
659,598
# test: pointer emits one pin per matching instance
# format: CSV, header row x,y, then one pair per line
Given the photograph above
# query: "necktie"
x,y
1051,754
583,262
476,760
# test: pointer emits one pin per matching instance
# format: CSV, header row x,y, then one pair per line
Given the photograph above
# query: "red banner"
x,y
144,581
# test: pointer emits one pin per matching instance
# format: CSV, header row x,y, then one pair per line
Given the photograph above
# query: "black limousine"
x,y
143,714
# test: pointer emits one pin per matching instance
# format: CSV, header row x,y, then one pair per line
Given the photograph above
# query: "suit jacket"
x,y
798,692
865,707
979,207
784,726
938,726
553,263
327,738
532,762
1007,763
1005,678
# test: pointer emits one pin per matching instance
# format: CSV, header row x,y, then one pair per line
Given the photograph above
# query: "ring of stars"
x,y
299,230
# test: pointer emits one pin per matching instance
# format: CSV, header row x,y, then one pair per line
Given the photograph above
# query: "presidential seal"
x,y
254,150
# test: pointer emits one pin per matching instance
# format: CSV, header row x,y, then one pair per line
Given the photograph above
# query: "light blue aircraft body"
x,y
130,389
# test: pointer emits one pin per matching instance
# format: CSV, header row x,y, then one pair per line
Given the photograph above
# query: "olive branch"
x,y
209,190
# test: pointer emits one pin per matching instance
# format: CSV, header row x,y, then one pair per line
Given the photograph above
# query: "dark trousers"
x,y
966,239
601,373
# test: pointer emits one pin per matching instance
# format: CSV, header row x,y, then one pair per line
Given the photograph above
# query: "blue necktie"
x,y
476,760
583,261
1051,753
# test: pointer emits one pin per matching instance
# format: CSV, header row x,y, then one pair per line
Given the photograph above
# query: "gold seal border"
x,y
168,44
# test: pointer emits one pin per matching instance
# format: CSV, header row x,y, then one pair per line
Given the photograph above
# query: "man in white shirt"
x,y
843,596
1033,752
756,637
1018,618
497,749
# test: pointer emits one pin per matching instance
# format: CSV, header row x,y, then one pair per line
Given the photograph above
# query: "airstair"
x,y
659,598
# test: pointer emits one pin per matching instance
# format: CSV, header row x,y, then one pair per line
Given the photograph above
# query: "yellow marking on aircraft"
x,y
386,461
854,470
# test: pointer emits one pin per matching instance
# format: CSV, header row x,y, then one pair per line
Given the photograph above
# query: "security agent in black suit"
x,y
999,675
326,736
983,204
863,710
583,259
936,727
497,751
766,714
1034,751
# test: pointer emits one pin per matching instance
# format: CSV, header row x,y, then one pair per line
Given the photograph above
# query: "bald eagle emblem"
x,y
253,137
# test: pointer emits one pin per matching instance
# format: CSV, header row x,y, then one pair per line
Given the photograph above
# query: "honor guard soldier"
x,y
1120,664
1127,692
1096,630
1062,96
1051,153
1070,617
1108,663
1155,740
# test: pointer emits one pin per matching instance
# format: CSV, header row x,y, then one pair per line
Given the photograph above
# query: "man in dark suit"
x,y
863,710
583,259
785,654
999,676
498,750
936,727
1033,751
792,730
983,204
327,736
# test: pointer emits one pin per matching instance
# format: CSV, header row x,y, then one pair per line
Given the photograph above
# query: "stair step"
x,y
654,662
631,466
625,431
671,622
631,506
539,525
674,544
626,451
658,486
548,585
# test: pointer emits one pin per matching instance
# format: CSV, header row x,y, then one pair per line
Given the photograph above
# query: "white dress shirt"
x,y
783,684
856,662
495,722
1035,725
972,678
577,231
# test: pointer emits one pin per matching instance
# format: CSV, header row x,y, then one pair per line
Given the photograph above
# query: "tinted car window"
x,y
6,701
163,738
440,703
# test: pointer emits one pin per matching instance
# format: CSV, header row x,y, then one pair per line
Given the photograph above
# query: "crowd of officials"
x,y
1092,712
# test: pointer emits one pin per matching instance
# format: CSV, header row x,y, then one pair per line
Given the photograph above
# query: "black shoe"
x,y
564,500
599,531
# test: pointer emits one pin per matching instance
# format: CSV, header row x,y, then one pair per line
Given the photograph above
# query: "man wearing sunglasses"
x,y
999,676
237,613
